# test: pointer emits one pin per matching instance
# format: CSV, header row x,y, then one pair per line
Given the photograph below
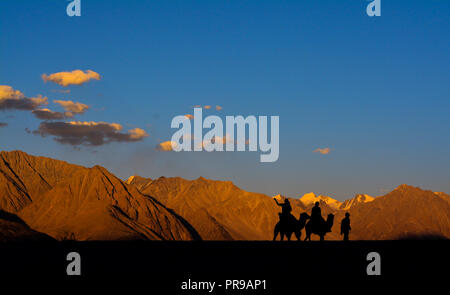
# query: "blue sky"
x,y
375,91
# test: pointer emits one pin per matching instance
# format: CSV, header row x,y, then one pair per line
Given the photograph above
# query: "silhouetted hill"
x,y
12,228
68,201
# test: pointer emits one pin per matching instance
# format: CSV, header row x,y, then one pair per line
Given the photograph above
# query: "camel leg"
x,y
298,235
308,231
322,238
308,234
275,234
289,235
282,236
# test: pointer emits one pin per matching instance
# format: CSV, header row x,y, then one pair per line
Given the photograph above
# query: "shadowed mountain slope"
x,y
12,228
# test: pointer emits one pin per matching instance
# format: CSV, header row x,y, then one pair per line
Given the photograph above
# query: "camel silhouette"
x,y
320,229
289,226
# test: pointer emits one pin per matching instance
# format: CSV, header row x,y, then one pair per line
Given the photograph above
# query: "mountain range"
x,y
43,198
67,201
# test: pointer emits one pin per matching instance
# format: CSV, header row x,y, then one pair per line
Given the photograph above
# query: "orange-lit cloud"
x,y
221,140
15,99
7,92
88,133
189,116
166,146
114,126
208,107
46,114
72,107
137,133
324,151
76,77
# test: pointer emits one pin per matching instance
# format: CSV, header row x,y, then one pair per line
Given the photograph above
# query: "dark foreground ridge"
x,y
281,264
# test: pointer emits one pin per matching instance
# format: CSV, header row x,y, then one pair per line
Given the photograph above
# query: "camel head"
x,y
304,216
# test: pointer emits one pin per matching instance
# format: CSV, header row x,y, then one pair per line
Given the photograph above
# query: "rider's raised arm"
x,y
276,201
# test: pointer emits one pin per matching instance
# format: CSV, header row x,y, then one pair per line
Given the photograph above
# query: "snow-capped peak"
x,y
358,199
130,179
311,198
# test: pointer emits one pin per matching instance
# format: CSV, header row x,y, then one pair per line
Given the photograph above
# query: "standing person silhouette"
x,y
316,216
345,226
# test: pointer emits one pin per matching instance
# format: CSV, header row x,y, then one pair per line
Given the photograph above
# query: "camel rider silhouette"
x,y
316,216
286,209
